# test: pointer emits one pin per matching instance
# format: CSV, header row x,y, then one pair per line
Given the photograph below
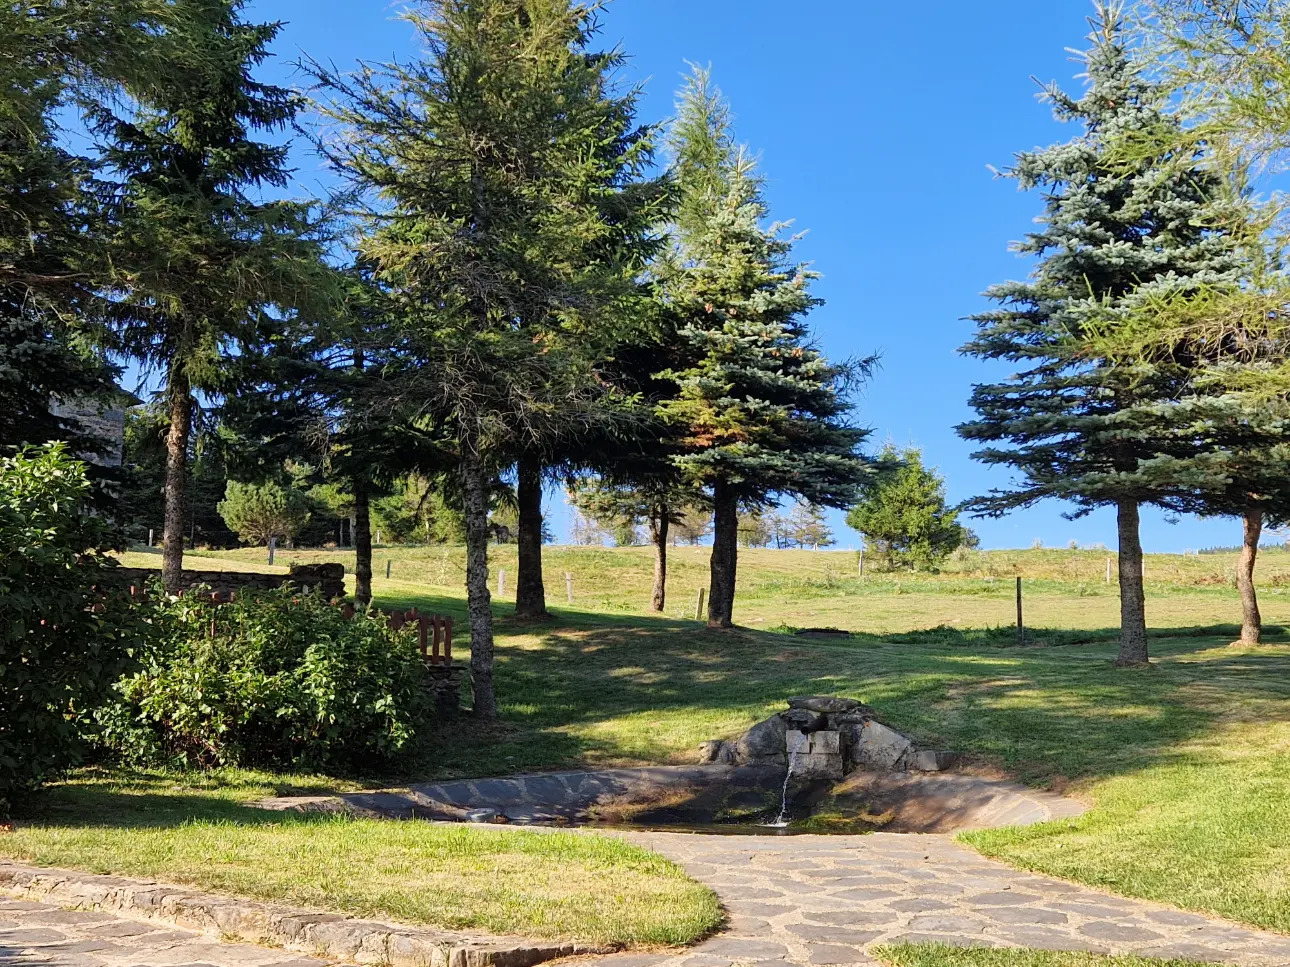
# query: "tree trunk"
x,y
479,602
658,526
362,534
1133,612
1251,620
180,401
725,556
530,593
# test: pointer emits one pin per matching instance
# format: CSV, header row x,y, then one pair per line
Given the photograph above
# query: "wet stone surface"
x,y
42,935
828,900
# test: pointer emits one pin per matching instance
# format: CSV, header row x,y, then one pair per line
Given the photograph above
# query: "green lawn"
x,y
195,830
1188,763
935,955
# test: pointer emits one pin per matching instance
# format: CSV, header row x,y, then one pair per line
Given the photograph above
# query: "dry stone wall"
x,y
328,578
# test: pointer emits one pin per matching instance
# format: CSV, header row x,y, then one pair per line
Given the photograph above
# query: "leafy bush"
x,y
285,680
61,642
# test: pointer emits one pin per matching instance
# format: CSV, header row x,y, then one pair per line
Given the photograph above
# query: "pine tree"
x,y
199,260
53,59
509,176
1115,232
757,410
314,390
903,515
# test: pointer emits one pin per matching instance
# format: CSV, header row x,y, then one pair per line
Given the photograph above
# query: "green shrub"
x,y
285,680
62,643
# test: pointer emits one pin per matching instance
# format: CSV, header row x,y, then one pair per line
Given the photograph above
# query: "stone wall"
x,y
329,578
106,424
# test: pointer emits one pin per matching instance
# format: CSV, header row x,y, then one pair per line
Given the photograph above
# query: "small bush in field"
x,y
285,680
62,643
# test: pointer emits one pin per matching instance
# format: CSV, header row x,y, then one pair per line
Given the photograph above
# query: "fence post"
x,y
1108,570
388,562
151,541
501,581
698,604
447,641
861,570
568,586
273,546
1021,627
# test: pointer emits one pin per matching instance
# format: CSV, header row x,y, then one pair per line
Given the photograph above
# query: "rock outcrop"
x,y
826,737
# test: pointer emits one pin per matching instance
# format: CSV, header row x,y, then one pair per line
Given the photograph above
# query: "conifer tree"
x,y
757,410
1115,232
903,515
53,59
316,388
199,259
506,176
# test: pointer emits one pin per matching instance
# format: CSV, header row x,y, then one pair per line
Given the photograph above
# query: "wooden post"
x,y
151,541
698,604
273,546
861,570
1108,570
1021,627
378,536
568,586
501,581
423,637
447,641
387,568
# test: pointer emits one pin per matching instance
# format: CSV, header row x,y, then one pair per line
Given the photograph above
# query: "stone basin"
x,y
730,799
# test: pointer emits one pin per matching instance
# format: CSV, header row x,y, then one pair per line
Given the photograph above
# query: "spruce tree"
x,y
1116,231
757,410
199,259
506,175
55,58
903,515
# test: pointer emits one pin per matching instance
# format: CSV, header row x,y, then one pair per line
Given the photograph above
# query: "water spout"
x,y
781,821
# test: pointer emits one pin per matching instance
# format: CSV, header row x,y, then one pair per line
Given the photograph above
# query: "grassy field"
x,y
975,590
934,955
1187,763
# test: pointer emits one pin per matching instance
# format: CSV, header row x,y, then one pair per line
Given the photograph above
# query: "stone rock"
x,y
824,704
815,755
876,747
716,751
763,744
928,761
803,720
856,716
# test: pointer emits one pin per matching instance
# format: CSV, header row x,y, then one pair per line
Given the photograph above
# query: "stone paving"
x,y
42,935
825,900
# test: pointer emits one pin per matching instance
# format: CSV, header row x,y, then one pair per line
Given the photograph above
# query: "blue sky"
x,y
876,124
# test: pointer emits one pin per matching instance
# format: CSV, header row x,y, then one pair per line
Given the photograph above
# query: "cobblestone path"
x,y
827,899
41,935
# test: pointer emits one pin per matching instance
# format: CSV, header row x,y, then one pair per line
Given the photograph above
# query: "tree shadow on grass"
x,y
592,690
619,690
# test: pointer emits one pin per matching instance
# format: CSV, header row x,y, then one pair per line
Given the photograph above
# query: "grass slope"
x,y
1188,763
975,590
